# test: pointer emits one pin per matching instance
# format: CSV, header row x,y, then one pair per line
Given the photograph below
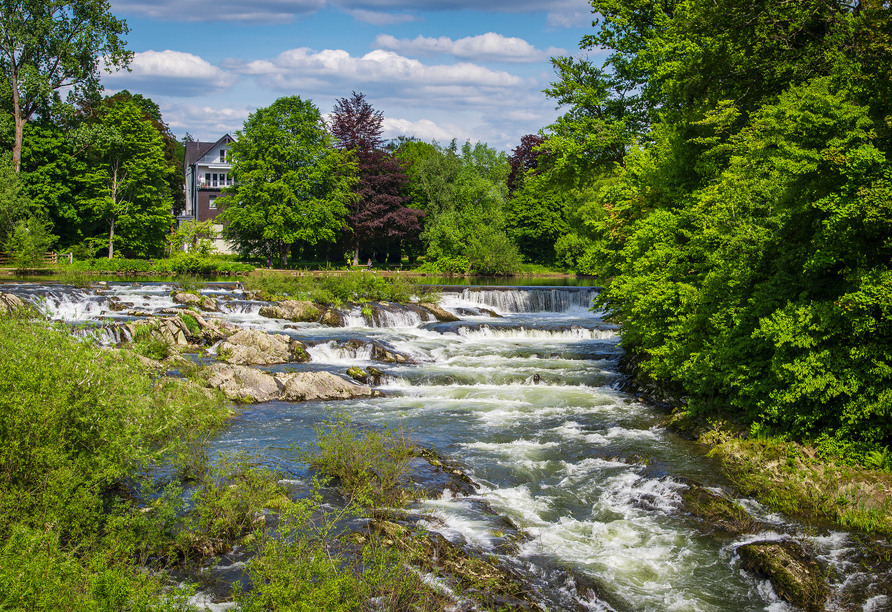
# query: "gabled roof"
x,y
196,150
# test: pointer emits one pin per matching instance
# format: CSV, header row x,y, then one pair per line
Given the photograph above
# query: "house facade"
x,y
207,170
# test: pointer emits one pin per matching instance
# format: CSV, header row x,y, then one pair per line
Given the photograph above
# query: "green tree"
x,y
14,203
28,242
289,182
50,45
126,182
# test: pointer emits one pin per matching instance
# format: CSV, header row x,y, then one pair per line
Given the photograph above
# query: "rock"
x,y
254,347
357,374
119,306
292,310
308,386
442,315
10,303
246,384
795,576
201,301
375,374
332,318
718,512
491,313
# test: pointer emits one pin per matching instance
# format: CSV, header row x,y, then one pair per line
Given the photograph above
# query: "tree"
x,y
126,181
14,204
49,45
289,182
28,242
378,217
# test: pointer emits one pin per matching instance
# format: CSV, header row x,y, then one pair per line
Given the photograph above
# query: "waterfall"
x,y
527,299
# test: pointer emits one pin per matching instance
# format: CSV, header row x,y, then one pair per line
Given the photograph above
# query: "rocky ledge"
x,y
199,301
9,303
248,385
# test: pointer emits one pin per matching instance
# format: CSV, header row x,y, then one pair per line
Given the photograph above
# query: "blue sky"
x,y
465,69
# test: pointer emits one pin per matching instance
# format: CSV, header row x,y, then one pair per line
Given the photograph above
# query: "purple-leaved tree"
x,y
379,220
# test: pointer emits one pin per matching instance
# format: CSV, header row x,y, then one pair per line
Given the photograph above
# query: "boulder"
x,y
246,384
199,301
255,347
795,576
10,303
292,310
308,386
442,316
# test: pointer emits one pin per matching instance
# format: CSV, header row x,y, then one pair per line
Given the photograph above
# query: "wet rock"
x,y
374,375
255,347
245,384
115,305
358,374
795,576
718,512
293,310
332,318
10,303
199,301
442,316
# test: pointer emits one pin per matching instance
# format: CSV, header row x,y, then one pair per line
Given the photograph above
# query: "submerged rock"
x,y
255,347
795,576
244,384
293,310
717,511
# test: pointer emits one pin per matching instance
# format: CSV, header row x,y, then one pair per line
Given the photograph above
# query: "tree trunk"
x,y
284,249
356,255
19,121
111,240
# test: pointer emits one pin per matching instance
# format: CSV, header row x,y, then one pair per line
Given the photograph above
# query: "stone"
x,y
241,383
293,310
308,386
795,576
255,347
244,384
200,301
10,303
442,315
332,318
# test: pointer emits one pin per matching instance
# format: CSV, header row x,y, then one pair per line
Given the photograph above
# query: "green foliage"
x,y
335,289
289,182
14,202
198,237
28,242
126,181
746,227
368,465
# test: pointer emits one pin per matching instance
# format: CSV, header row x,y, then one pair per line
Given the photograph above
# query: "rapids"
x,y
530,404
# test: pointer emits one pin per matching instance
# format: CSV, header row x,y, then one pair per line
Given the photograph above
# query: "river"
x,y
530,404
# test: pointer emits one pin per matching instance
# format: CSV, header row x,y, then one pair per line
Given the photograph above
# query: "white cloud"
x,y
381,19
574,14
203,122
489,47
171,73
425,129
336,72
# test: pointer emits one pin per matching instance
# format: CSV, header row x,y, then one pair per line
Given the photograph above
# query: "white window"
x,y
212,202
207,180
214,180
222,156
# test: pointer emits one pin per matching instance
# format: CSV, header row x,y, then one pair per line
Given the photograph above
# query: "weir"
x,y
529,403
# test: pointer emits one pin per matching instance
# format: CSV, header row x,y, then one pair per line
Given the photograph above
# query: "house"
x,y
207,168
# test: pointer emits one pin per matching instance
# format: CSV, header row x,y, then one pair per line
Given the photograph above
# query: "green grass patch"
x,y
337,288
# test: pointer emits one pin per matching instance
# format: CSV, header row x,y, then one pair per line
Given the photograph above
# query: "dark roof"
x,y
196,150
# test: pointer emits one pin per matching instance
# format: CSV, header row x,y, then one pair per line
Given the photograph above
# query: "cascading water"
x,y
529,404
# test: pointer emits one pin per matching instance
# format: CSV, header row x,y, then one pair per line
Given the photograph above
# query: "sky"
x,y
464,69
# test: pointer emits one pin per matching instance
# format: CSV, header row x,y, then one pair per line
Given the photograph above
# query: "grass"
x,y
802,480
336,289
